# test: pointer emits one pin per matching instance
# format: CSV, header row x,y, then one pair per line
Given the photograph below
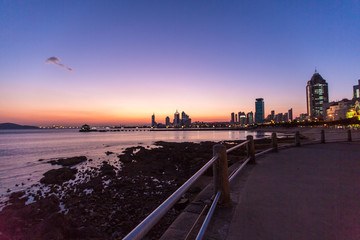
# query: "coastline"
x,y
108,201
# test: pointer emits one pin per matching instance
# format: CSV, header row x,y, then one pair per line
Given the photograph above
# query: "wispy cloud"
x,y
57,61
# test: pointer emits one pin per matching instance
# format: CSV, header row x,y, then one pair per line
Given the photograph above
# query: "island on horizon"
x,y
16,126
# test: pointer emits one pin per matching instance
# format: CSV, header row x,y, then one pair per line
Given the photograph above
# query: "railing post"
x,y
297,139
221,177
251,149
274,143
322,136
349,136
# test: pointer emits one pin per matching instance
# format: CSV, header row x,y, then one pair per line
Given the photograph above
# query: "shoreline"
x,y
105,202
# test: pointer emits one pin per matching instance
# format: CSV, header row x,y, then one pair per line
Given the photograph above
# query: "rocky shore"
x,y
106,202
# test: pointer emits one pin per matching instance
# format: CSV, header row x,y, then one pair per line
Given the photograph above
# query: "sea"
x,y
24,153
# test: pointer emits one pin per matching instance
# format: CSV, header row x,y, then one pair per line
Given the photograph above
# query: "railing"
x,y
221,182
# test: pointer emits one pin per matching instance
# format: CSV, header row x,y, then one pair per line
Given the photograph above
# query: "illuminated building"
x,y
242,118
250,118
354,112
259,110
338,110
316,95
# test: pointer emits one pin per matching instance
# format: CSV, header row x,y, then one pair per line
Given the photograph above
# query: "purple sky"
x,y
207,58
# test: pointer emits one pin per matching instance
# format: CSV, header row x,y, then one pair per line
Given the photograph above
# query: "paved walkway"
x,y
310,192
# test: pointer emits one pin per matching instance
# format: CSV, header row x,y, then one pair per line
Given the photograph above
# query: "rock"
x,y
108,153
107,170
68,162
58,176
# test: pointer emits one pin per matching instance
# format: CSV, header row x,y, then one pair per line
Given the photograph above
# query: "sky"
x,y
118,62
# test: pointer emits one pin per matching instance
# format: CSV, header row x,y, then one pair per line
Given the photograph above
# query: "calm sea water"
x,y
20,150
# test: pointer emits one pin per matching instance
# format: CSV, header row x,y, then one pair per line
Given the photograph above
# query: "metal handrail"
x,y
286,146
263,152
145,226
208,217
237,146
233,175
236,171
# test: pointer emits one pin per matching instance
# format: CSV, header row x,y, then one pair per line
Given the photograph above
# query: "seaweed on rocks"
x,y
67,162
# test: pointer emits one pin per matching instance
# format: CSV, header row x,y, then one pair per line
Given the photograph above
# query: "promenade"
x,y
308,192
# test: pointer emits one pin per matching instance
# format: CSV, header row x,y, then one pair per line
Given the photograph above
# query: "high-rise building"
x,y
259,110
250,118
272,115
278,117
242,118
290,114
286,117
183,116
236,118
185,119
232,121
153,123
176,119
356,92
316,95
167,121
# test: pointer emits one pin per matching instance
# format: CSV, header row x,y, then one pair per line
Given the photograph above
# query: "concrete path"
x,y
310,192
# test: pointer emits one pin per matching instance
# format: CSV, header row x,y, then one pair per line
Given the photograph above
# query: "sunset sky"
x,y
118,62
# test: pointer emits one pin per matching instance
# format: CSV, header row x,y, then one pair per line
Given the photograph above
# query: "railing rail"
x,y
145,226
208,217
236,147
221,182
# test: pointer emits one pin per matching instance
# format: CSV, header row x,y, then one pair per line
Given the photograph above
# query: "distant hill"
x,y
15,126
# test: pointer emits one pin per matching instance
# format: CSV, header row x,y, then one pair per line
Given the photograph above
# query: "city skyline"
x,y
118,62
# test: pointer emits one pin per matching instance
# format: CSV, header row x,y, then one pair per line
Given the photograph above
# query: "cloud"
x,y
57,61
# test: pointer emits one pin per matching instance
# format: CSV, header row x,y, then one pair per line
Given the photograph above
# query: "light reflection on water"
x,y
20,150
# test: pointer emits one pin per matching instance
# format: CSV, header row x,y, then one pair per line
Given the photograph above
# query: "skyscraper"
x,y
259,110
356,92
272,116
250,118
232,121
185,119
153,123
167,121
242,118
316,95
176,119
290,113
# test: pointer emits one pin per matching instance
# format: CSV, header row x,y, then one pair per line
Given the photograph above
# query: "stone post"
x,y
251,149
221,177
349,135
297,139
274,143
322,136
